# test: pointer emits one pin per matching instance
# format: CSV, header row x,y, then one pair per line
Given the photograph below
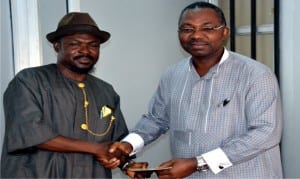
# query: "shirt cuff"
x,y
136,141
217,160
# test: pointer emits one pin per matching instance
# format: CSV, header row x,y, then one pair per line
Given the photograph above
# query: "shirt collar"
x,y
223,58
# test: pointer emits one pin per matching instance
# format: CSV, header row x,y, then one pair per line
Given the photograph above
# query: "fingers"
x,y
114,147
166,164
123,147
165,173
110,163
139,165
112,155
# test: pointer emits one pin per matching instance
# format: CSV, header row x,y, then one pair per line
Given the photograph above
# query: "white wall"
x,y
290,86
47,23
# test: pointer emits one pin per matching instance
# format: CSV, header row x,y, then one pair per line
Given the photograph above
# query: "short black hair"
x,y
203,4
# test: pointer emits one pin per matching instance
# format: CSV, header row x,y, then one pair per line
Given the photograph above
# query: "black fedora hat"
x,y
77,22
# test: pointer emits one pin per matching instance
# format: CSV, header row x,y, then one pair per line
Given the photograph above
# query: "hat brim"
x,y
73,29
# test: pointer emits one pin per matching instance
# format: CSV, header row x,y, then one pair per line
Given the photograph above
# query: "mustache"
x,y
83,56
198,41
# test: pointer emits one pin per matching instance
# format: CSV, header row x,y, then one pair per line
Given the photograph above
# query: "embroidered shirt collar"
x,y
223,58
213,70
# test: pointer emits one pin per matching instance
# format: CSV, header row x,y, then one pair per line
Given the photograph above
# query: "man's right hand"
x,y
105,158
124,147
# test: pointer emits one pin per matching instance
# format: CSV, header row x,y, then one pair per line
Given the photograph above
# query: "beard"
x,y
82,70
87,70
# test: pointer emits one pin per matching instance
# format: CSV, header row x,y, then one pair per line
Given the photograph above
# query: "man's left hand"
x,y
180,168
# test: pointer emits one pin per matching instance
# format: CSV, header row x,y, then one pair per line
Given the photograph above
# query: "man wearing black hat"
x,y
60,120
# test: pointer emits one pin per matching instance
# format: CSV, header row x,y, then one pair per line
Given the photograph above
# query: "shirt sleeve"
x,y
136,142
217,160
24,122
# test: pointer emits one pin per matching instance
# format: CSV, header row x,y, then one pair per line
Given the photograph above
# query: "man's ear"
x,y
56,46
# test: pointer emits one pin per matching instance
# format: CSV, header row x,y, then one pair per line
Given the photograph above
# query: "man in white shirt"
x,y
221,109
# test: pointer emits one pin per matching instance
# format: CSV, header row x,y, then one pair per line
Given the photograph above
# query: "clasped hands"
x,y
112,155
117,154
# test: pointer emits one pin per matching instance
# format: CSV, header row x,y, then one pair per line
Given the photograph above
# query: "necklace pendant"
x,y
86,103
81,85
84,126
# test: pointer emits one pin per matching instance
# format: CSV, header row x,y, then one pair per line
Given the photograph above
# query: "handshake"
x,y
118,155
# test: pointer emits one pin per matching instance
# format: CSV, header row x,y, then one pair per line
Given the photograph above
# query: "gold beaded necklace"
x,y
85,126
